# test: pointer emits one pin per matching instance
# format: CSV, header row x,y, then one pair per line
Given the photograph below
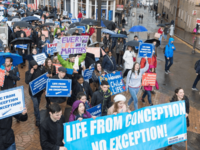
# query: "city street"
x,y
182,75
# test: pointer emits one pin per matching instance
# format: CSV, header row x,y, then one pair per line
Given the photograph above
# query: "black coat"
x,y
187,107
58,99
30,77
79,88
53,72
99,97
7,137
51,134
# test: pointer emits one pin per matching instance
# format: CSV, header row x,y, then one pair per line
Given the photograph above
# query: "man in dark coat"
x,y
51,129
80,86
30,75
109,63
103,97
60,100
7,137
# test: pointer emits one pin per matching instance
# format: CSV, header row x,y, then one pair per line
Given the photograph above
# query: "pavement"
x,y
182,75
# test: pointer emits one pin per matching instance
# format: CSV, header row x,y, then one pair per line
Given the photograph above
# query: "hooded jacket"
x,y
51,134
7,137
149,88
73,117
30,77
10,80
99,97
169,52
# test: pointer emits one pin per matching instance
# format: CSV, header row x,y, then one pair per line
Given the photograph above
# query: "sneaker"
x,y
166,72
143,101
153,92
195,89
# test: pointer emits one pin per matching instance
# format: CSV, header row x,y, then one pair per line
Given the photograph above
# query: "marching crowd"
x,y
85,93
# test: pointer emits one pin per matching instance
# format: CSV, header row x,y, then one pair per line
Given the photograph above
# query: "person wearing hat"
x,y
60,100
34,72
119,105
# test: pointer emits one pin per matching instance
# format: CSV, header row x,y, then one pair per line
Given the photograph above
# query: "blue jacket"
x,y
169,52
108,65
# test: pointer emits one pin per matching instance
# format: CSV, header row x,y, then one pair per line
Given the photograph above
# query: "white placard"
x,y
40,58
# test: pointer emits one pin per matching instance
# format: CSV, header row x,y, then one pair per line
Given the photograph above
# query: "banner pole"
x,y
186,145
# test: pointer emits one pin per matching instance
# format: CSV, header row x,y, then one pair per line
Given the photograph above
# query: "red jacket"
x,y
80,15
160,30
91,31
152,61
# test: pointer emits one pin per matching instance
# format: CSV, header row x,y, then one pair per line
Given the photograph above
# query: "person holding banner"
x,y
30,75
51,129
103,97
30,56
11,74
79,112
96,74
119,105
7,137
133,82
179,95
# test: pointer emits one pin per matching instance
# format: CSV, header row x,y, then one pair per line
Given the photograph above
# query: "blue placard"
x,y
115,81
81,27
74,20
4,19
70,71
148,128
140,42
146,50
57,23
70,15
58,88
95,111
11,102
87,74
21,46
38,84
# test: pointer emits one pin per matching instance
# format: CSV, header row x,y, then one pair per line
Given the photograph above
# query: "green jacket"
x,y
68,64
62,29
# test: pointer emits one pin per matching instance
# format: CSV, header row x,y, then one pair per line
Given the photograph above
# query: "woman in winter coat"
x,y
133,82
96,73
83,98
171,33
128,58
149,88
79,112
179,96
109,63
119,51
119,106
106,41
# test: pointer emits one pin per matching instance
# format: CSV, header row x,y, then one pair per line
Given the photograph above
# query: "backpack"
x,y
196,64
164,48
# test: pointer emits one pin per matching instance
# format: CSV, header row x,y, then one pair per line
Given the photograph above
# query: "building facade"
x,y
187,12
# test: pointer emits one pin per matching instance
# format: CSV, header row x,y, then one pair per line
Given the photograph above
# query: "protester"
x,y
169,53
128,60
119,105
80,86
30,75
149,88
79,112
79,16
133,82
160,31
166,31
152,61
124,40
197,68
106,41
83,98
171,33
123,22
30,57
103,97
179,95
109,63
60,100
114,39
7,137
51,129
119,52
11,74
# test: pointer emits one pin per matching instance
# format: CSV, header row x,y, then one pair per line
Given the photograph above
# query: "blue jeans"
x,y
196,81
79,19
12,147
160,39
170,61
165,36
133,92
149,95
36,104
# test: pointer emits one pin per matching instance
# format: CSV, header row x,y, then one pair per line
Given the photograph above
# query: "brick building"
x,y
187,12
